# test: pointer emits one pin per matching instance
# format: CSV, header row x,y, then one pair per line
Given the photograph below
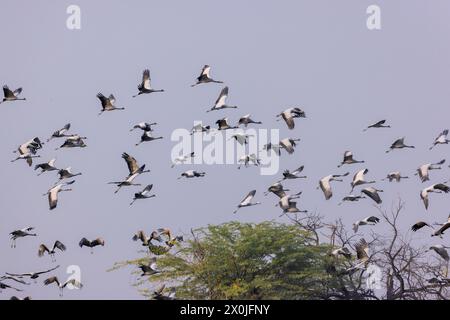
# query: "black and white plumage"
x,y
67,173
144,194
221,101
53,193
222,124
32,275
57,245
436,188
395,175
247,201
108,103
368,221
294,174
358,179
60,132
62,286
21,233
399,144
10,95
441,139
348,159
147,137
192,174
205,77
372,193
182,159
91,244
290,114
144,126
325,185
46,166
247,159
145,86
441,230
441,251
379,124
424,170
246,120
277,189
289,144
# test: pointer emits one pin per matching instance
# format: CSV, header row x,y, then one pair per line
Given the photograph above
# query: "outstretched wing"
x,y
42,249
145,84
131,163
58,244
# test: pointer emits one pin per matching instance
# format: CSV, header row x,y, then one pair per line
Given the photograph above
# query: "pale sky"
x,y
318,55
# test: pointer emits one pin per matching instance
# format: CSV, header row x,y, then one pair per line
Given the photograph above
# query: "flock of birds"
x,y
160,241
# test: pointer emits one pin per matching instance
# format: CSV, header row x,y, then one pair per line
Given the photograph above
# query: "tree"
x,y
245,261
273,260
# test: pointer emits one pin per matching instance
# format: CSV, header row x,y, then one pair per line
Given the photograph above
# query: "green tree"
x,y
245,261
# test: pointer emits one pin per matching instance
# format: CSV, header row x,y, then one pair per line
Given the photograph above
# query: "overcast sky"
x,y
318,55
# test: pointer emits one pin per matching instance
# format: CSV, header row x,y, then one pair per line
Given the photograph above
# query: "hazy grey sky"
x,y
318,55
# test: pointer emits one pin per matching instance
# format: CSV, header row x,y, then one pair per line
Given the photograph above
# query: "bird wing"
x,y
131,163
362,250
42,249
248,198
51,280
53,198
222,97
73,282
442,187
98,242
145,84
104,100
326,188
58,244
205,71
7,92
372,219
287,117
46,271
17,91
140,235
111,98
418,225
372,194
84,242
147,189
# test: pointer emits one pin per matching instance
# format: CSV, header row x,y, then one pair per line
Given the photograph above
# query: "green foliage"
x,y
246,261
